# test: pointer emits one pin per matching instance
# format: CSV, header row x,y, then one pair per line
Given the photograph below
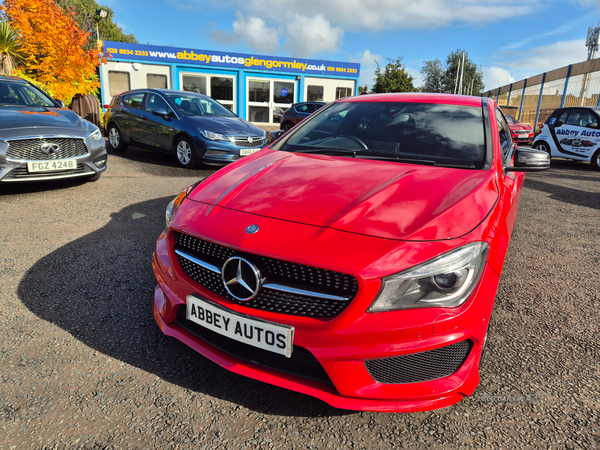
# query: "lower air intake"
x,y
420,367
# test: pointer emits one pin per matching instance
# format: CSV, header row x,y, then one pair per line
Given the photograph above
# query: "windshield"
x,y
425,133
509,119
21,94
195,105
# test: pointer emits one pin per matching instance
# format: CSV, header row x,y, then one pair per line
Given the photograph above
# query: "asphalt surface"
x,y
84,366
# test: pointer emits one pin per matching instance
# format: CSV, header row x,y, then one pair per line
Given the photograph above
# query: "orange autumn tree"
x,y
52,45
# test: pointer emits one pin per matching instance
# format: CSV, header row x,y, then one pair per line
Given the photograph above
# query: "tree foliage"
x,y
443,79
87,19
433,76
10,53
53,48
394,78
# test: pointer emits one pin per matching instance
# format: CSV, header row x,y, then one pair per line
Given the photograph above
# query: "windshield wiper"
x,y
335,151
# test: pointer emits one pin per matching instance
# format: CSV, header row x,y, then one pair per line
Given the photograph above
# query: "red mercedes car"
x,y
357,258
521,132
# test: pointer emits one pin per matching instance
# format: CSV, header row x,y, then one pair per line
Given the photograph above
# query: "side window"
x,y
134,100
563,117
155,101
506,142
305,109
581,117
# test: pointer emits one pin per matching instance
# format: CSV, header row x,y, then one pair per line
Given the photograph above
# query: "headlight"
x,y
96,135
174,205
212,135
446,281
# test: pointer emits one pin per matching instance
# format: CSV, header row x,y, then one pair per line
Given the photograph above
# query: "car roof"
x,y
593,108
414,97
160,91
16,79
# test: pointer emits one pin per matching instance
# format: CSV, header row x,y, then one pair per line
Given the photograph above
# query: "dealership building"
x,y
257,88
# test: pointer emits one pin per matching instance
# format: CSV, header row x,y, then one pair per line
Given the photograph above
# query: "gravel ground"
x,y
84,366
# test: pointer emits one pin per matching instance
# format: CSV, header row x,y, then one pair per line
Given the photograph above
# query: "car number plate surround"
x,y
51,166
270,336
248,151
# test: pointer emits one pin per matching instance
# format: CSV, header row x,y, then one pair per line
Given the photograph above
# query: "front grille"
x,y
301,363
257,141
22,173
420,367
30,149
277,271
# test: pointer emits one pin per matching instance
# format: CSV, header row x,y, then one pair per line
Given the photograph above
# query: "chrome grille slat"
x,y
30,149
338,289
242,141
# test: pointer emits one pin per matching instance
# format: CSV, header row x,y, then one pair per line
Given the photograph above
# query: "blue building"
x,y
257,88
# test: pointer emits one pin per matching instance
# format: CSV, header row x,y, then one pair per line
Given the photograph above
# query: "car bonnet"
x,y
377,198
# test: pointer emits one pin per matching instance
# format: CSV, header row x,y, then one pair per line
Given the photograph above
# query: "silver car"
x,y
42,140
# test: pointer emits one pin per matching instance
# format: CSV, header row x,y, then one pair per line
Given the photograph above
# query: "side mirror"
x,y
61,104
274,135
160,112
529,160
592,125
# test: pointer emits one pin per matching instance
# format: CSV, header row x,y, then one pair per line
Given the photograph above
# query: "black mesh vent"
x,y
22,173
30,149
420,367
301,363
275,271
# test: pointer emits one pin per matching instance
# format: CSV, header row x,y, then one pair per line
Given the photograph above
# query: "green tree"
x,y
394,78
443,79
433,76
87,19
10,55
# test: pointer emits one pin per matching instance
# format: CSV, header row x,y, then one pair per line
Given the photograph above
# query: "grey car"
x,y
42,140
193,127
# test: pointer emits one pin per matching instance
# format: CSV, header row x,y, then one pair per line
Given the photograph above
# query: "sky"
x,y
508,39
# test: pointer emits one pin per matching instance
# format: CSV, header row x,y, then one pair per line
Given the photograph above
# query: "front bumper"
x,y
90,161
221,153
342,345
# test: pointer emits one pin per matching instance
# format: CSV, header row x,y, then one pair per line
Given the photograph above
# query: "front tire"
x,y
543,146
287,126
115,139
596,160
185,153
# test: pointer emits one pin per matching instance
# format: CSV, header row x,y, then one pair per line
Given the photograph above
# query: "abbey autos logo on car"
x,y
121,50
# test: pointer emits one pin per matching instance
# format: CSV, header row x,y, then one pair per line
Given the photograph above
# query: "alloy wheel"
x,y
184,152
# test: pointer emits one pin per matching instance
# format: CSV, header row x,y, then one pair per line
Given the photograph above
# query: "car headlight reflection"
x,y
212,135
174,204
96,135
446,281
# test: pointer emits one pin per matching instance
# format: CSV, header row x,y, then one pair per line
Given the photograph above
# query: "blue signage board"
x,y
155,53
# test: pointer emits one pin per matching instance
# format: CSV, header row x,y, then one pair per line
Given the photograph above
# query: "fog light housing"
x,y
100,163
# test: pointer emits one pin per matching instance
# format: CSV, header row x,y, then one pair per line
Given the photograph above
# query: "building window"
x,y
341,92
314,93
118,82
221,88
154,81
194,83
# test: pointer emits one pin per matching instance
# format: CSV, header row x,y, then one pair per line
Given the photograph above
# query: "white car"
x,y
572,133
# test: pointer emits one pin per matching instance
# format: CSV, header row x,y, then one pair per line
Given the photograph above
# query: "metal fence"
x,y
532,100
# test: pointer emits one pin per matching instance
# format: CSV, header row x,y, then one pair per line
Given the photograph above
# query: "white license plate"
x,y
51,166
248,151
259,333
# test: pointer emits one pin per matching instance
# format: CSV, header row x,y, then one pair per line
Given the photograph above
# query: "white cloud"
x,y
311,35
379,15
368,62
533,62
495,76
251,30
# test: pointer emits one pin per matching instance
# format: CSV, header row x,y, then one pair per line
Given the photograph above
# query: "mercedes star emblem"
x,y
49,148
241,278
